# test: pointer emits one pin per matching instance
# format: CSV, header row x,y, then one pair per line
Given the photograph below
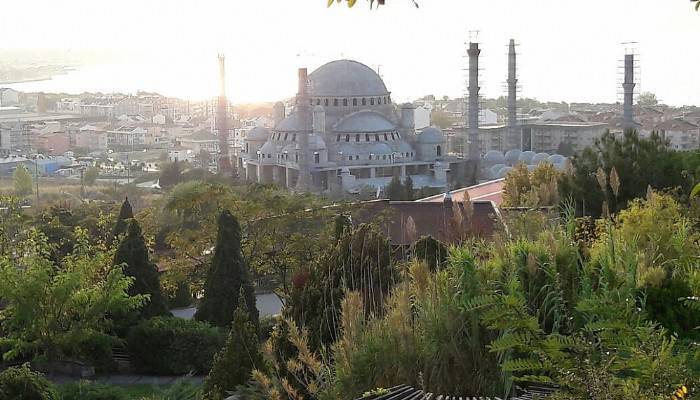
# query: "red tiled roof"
x,y
487,191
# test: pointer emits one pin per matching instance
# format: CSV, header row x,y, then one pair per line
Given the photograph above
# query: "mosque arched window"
x,y
364,101
438,150
354,102
347,138
286,135
325,102
337,138
376,137
392,136
296,157
386,137
345,102
370,156
383,156
318,102
357,138
371,101
389,97
317,158
384,99
335,102
366,137
294,137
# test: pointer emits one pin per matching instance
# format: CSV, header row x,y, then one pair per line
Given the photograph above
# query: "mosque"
x,y
346,134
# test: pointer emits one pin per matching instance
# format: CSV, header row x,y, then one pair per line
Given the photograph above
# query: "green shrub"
x,y
85,390
25,384
173,346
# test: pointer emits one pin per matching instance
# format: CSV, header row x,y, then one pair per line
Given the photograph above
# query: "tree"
x,y
227,276
204,158
240,355
132,253
23,181
53,311
441,119
647,99
125,214
408,188
90,176
170,175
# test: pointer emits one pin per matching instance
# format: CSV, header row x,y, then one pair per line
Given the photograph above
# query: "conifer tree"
x,y
132,252
239,356
125,213
227,276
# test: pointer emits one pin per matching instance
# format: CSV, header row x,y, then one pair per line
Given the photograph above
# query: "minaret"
x,y
303,111
473,110
628,87
222,119
513,141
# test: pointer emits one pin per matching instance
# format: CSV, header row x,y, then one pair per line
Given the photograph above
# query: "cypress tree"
x,y
239,356
125,213
227,276
408,189
132,252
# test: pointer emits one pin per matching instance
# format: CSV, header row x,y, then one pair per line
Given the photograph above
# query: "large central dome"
x,y
346,78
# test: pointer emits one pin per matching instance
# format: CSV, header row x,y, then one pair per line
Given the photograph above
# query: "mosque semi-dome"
x,y
346,78
364,121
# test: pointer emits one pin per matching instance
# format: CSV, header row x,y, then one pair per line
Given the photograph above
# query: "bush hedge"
x,y
85,390
173,346
23,383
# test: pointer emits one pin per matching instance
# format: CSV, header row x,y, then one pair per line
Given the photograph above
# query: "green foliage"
x,y
396,190
23,181
360,261
125,213
538,188
132,254
22,383
171,174
228,275
241,354
630,156
86,390
431,251
53,312
173,346
90,176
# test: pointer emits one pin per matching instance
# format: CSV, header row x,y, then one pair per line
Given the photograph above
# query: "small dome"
x,y
494,169
431,135
556,159
512,156
494,157
293,123
258,134
503,172
364,122
526,156
538,158
316,142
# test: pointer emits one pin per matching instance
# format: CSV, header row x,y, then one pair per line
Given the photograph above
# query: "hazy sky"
x,y
569,50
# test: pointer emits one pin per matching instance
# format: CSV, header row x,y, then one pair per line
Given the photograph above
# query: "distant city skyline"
x,y
568,51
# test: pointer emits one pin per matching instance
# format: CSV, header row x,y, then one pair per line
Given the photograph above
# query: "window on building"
x,y
294,137
345,102
384,157
317,158
438,150
364,101
286,135
246,147
269,155
325,102
392,136
354,102
318,102
386,137
366,137
357,138
370,156
376,137
371,101
384,99
347,138
335,102
337,138
296,157
389,97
